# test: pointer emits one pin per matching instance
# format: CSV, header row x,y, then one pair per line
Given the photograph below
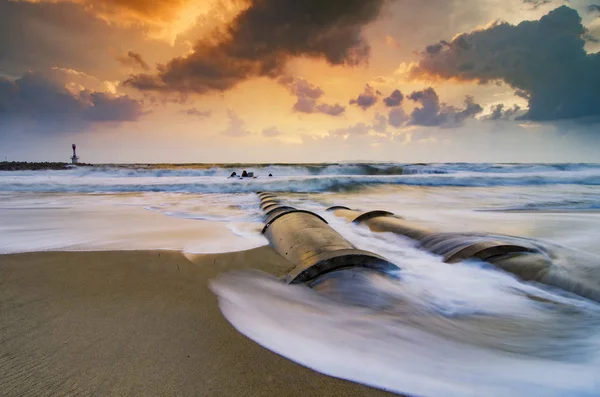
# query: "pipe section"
x,y
524,259
454,247
268,203
382,221
306,240
277,208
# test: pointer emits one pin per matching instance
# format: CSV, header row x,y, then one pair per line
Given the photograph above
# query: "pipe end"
x,y
336,260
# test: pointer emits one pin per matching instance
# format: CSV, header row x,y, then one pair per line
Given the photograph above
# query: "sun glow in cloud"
x,y
162,19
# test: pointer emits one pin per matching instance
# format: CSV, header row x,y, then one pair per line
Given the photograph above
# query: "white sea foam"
x,y
435,330
194,223
299,178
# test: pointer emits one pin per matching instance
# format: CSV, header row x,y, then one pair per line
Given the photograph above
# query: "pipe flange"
x,y
338,207
270,210
370,215
291,211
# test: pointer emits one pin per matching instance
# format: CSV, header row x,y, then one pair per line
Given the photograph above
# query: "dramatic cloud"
x,y
433,113
142,10
198,113
307,97
395,99
49,105
100,106
499,113
161,19
271,132
236,127
133,59
367,99
594,8
544,60
261,40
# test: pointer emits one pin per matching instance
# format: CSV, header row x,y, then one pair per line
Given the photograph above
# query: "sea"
x,y
429,329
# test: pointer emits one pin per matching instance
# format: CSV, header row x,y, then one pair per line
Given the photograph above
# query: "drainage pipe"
x,y
306,240
523,258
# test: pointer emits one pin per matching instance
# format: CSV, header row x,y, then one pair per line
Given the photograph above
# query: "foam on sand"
x,y
432,330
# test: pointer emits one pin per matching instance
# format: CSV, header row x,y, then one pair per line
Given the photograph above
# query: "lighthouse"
x,y
74,158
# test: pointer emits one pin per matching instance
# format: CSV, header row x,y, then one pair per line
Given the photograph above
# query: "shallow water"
x,y
432,329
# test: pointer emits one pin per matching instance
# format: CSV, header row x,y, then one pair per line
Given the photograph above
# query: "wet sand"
x,y
137,323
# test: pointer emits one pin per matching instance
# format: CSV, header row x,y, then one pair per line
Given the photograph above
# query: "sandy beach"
x,y
137,323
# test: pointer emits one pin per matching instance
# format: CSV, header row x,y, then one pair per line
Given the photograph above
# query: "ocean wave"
x,y
224,170
307,170
294,178
312,184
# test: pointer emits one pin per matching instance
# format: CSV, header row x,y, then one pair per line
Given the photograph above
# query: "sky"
x,y
208,81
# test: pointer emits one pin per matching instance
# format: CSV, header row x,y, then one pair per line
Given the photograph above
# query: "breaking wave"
x,y
119,181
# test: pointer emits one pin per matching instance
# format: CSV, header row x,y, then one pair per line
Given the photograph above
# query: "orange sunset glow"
x,y
204,81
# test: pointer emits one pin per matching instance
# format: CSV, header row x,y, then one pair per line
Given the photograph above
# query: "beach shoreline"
x,y
138,323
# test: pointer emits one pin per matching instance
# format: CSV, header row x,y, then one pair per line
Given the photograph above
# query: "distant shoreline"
x,y
366,168
36,166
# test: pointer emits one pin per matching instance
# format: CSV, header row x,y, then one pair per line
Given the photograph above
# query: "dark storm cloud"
x,y
434,48
395,99
499,113
35,98
367,98
544,60
262,38
433,113
198,113
100,106
308,97
133,59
